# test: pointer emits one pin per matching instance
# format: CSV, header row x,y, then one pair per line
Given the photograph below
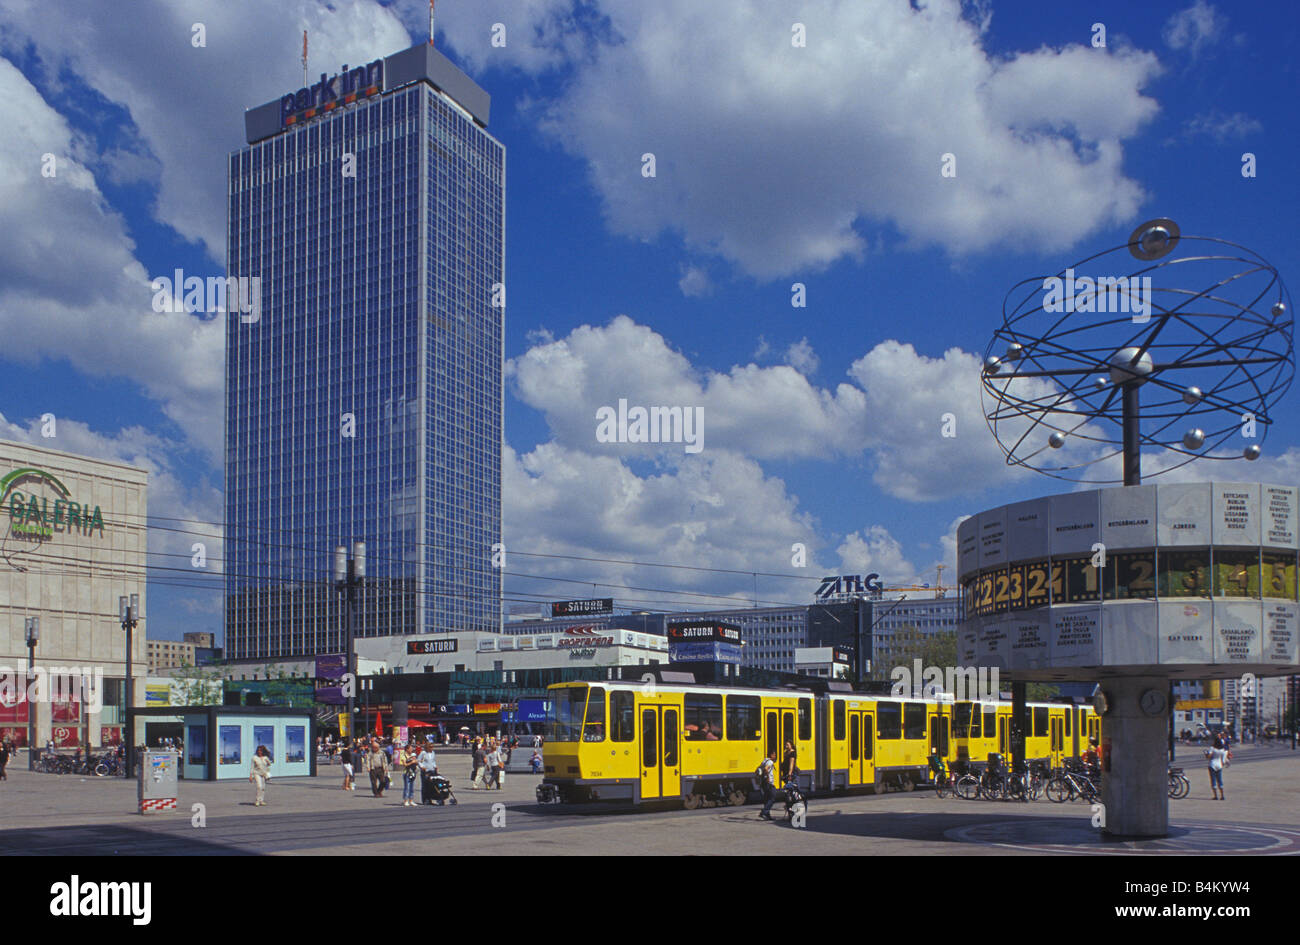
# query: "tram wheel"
x,y
737,798
908,784
692,801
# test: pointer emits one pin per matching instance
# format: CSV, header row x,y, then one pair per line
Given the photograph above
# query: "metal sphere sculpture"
x,y
1184,353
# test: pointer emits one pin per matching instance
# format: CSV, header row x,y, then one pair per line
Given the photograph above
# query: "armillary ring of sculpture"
x,y
1202,332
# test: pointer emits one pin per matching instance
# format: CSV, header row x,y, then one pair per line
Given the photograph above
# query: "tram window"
x,y
889,720
1040,721
703,717
649,738
961,716
594,730
744,718
990,723
914,720
837,714
1069,719
855,737
568,705
622,716
805,719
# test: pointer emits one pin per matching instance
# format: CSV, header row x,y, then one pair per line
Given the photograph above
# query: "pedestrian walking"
x,y
406,758
493,761
478,755
378,764
767,783
259,773
4,760
428,763
1217,758
349,783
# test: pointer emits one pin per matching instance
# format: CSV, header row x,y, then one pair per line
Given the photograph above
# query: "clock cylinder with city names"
x,y
1194,580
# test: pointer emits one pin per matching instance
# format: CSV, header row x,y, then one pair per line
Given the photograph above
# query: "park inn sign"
x,y
41,516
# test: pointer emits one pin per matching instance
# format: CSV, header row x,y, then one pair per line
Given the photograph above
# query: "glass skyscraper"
x,y
364,402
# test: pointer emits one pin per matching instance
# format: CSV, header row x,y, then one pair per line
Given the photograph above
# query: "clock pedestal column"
x,y
1135,753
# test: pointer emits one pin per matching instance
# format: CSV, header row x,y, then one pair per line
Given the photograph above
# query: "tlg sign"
x,y
848,585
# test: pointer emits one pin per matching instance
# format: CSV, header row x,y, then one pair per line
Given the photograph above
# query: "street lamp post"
x,y
33,628
349,578
129,613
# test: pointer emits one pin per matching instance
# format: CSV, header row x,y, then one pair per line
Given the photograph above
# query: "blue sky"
x,y
776,164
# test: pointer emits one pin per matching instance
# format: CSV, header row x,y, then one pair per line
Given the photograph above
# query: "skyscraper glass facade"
x,y
365,402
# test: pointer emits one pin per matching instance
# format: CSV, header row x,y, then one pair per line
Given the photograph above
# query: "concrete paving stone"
x,y
47,814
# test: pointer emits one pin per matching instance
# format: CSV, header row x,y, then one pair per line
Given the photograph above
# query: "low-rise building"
x,y
169,654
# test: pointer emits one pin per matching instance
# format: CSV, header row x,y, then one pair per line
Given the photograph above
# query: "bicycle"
x,y
1024,785
1179,786
1066,785
111,765
943,785
994,784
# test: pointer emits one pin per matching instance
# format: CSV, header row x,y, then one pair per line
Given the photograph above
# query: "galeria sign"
x,y
36,517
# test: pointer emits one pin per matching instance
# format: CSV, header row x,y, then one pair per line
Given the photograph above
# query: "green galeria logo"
x,y
34,516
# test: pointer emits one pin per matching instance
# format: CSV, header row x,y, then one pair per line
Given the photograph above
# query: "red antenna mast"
x,y
304,58
431,2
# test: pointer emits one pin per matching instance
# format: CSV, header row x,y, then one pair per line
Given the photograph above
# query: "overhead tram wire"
x,y
146,520
309,577
121,519
217,582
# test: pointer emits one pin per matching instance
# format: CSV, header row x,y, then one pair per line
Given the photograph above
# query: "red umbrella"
x,y
379,723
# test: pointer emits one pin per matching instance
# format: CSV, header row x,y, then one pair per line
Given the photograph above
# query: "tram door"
x,y
1057,746
661,774
1004,740
862,765
939,734
778,728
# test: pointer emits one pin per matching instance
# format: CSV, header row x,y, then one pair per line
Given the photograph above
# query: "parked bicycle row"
x,y
102,767
1074,781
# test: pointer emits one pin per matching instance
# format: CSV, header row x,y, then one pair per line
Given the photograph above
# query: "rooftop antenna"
x,y
304,58
431,2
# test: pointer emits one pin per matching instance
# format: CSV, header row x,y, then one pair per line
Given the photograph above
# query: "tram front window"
x,y
567,723
961,717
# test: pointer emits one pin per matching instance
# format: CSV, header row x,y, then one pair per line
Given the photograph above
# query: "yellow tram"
x,y
652,742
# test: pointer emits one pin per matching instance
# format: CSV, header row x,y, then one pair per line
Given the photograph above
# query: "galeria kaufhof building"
x,y
365,402
73,541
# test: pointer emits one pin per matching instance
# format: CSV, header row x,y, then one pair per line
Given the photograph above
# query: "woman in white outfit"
x,y
259,773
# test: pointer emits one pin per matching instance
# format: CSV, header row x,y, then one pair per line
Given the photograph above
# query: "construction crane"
x,y
940,590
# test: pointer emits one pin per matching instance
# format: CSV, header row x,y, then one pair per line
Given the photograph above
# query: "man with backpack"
x,y
767,783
